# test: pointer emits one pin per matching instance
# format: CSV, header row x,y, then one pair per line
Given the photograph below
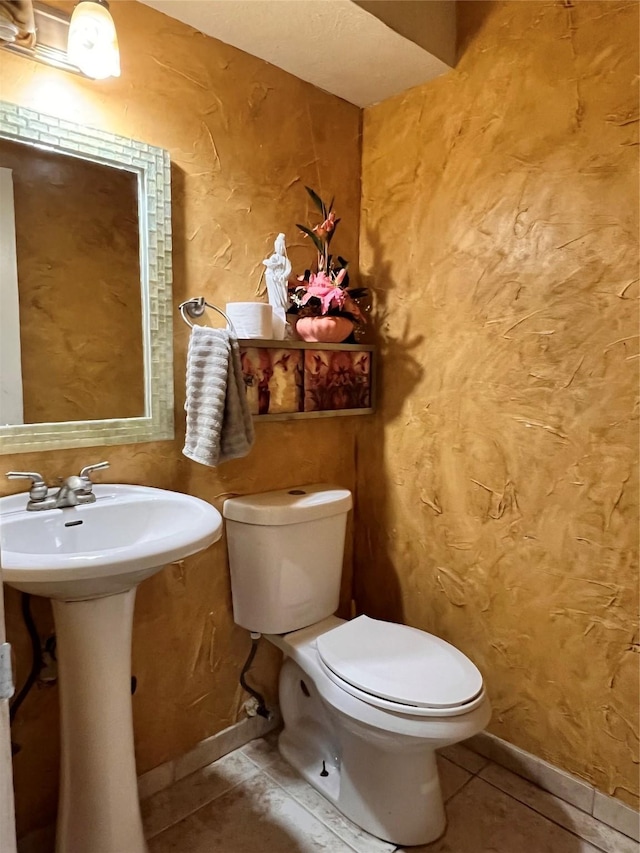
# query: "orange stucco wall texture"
x,y
244,139
498,482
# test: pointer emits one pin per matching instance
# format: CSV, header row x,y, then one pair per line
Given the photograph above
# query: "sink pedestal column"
x,y
99,811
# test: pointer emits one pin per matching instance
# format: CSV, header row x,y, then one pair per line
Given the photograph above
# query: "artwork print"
x,y
295,381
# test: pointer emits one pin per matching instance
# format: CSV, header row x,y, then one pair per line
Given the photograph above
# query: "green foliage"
x,y
316,240
315,198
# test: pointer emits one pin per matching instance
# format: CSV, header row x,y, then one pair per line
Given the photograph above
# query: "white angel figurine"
x,y
278,270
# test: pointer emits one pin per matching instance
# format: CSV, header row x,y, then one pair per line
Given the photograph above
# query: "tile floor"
x,y
251,801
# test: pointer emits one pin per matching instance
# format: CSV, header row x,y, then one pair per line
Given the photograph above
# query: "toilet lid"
x,y
399,663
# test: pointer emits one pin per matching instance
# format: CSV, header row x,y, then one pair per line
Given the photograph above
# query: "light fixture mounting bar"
x,y
52,32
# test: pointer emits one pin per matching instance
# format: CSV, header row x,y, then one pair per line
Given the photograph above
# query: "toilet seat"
x,y
399,668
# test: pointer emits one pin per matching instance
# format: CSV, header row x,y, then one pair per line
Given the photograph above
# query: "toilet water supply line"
x,y
37,665
261,708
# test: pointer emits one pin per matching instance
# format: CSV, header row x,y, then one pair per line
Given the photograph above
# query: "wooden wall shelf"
x,y
291,380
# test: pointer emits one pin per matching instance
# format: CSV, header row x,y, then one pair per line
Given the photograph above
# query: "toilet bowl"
x,y
365,703
380,761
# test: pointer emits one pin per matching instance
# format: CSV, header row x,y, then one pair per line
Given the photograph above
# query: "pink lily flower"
x,y
325,290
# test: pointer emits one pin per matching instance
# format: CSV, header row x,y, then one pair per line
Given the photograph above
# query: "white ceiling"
x,y
334,44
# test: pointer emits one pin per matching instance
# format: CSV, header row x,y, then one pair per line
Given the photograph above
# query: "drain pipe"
x,y
37,663
261,708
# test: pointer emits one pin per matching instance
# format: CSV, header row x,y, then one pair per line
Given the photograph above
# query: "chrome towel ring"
x,y
196,306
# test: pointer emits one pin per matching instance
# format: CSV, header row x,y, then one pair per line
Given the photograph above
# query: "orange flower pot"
x,y
324,330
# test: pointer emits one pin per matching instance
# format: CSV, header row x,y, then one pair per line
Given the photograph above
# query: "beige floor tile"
x,y
464,757
587,827
257,816
359,840
189,794
483,819
452,777
263,751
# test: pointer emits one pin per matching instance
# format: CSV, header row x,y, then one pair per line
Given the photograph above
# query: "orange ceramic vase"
x,y
324,330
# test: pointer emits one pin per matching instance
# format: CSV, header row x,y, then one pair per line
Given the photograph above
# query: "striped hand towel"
x,y
219,425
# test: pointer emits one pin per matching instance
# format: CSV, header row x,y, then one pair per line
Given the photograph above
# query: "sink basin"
x,y
102,548
89,559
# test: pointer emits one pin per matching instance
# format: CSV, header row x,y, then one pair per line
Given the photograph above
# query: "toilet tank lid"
x,y
294,505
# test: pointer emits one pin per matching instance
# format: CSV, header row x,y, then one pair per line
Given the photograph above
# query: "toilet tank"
x,y
285,554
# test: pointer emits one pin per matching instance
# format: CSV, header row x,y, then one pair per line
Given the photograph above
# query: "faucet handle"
x,y
85,474
38,490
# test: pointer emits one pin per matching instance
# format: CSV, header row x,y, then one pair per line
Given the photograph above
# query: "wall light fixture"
x,y
93,41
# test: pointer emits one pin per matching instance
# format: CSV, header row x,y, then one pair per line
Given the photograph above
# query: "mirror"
x,y
71,269
85,286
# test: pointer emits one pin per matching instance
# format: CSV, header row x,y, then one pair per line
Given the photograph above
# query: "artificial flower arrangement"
x,y
325,292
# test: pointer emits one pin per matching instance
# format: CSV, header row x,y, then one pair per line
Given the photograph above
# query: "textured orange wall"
x,y
244,138
498,482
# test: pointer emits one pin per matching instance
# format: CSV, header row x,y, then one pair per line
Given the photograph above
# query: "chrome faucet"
x,y
75,490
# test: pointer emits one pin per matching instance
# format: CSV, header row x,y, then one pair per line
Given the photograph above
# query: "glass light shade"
x,y
93,41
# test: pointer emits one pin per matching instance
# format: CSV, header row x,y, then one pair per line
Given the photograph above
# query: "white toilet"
x,y
365,703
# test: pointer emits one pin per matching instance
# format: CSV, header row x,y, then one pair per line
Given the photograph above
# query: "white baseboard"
x,y
563,785
208,750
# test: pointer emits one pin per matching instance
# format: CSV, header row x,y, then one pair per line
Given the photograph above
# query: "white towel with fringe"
x,y
219,424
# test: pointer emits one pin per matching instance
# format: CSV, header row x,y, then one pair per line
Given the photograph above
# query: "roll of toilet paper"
x,y
251,319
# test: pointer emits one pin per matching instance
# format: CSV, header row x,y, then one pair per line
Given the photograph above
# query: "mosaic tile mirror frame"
x,y
152,170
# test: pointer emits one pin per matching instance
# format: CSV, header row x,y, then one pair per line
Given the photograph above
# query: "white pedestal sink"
x,y
89,560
